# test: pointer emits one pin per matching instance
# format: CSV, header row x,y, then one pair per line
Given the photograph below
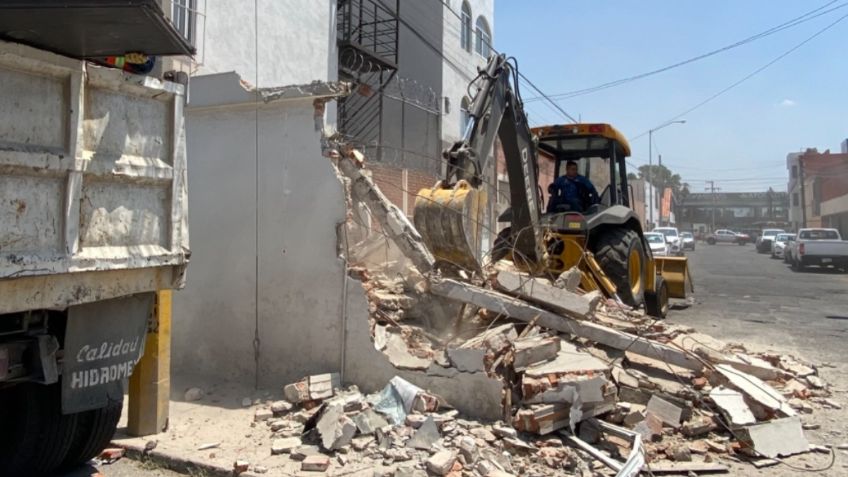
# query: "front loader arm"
x,y
496,111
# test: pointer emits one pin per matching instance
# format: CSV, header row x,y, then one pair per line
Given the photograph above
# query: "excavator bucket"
x,y
451,221
675,272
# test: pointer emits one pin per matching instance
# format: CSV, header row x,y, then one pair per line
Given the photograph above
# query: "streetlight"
x,y
651,163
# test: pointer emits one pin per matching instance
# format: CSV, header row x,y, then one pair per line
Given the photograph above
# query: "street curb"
x,y
177,463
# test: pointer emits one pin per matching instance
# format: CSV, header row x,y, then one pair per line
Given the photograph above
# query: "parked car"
x,y
765,240
779,245
688,240
672,237
823,247
727,236
659,247
742,238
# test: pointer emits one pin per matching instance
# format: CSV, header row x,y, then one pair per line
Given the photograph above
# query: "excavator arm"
x,y
451,216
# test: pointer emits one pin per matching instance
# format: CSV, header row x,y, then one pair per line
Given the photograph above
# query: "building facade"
x,y
823,187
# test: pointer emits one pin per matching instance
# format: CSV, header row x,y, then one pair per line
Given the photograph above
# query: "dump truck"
x,y
602,236
93,222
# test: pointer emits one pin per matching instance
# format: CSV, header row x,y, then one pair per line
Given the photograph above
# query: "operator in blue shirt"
x,y
571,190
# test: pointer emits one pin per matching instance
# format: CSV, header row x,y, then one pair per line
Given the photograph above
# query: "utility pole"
x,y
712,189
651,165
662,188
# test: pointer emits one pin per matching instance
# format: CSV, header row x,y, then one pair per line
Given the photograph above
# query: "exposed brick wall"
x,y
390,181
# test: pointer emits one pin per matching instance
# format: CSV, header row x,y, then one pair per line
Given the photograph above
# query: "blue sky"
x,y
741,138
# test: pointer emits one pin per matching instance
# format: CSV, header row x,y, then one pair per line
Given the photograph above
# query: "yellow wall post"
x,y
150,383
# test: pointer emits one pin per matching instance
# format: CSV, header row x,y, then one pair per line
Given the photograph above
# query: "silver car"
x,y
780,244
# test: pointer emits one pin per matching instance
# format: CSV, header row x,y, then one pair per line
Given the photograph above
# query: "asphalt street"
x,y
743,296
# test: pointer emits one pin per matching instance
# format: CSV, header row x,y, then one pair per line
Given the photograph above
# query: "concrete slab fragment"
x,y
398,352
425,436
732,404
537,349
756,390
467,360
568,360
777,438
667,412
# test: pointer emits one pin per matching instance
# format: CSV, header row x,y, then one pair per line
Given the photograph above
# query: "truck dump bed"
x,y
92,182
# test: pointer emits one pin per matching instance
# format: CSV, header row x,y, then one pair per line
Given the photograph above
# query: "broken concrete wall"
x,y
298,283
473,394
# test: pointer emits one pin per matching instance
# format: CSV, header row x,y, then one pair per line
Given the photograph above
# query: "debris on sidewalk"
x,y
585,383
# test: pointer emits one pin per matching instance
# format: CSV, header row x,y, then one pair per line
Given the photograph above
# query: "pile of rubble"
x,y
402,429
589,385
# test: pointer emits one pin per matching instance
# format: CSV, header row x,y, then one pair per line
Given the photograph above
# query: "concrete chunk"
x,y
335,428
732,405
280,407
315,463
467,360
441,462
540,291
519,309
777,438
425,436
284,446
667,412
756,390
369,421
536,349
398,352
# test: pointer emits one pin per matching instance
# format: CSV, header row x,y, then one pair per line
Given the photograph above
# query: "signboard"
x,y
103,342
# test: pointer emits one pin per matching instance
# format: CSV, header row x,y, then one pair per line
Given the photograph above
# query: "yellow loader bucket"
x,y
451,220
675,272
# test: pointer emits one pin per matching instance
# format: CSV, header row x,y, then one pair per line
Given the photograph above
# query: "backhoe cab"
x,y
602,236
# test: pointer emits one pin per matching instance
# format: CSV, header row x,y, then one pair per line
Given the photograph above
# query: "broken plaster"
x,y
473,394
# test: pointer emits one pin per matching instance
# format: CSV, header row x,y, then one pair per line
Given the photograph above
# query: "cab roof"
x,y
597,136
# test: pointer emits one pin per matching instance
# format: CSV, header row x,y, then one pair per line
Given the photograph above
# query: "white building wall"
x,y
287,260
273,284
457,76
296,40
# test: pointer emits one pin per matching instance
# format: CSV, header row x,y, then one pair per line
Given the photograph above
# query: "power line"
x,y
750,75
811,15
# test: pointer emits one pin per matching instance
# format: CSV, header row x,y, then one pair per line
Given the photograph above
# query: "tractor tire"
x,y
622,257
36,436
656,302
94,431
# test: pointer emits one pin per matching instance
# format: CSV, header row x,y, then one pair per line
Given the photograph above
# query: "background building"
x,y
823,187
739,211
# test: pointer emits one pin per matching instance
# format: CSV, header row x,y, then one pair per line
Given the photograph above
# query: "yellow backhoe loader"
x,y
601,235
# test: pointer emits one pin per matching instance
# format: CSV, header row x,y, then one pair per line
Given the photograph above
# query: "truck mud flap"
x,y
103,342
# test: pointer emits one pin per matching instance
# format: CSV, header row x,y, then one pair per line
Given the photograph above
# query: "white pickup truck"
x,y
815,246
93,222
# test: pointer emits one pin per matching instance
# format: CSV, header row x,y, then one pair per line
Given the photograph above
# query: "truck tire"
x,y
94,431
622,257
656,302
36,436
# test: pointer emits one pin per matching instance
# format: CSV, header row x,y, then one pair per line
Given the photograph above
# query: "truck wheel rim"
x,y
634,271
